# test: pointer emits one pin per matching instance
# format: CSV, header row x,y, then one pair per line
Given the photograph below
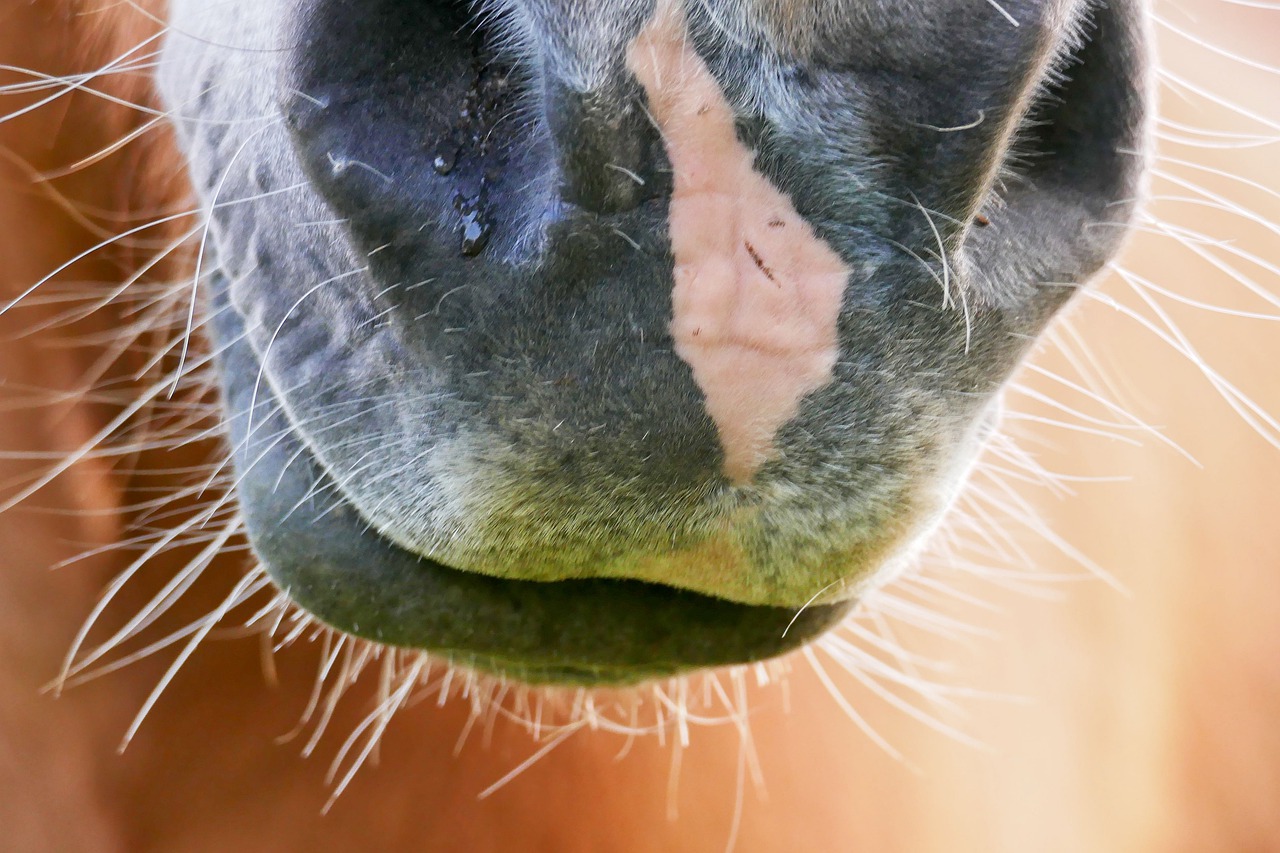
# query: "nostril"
x,y
608,153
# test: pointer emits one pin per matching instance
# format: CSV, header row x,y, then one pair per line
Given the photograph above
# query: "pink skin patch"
x,y
757,292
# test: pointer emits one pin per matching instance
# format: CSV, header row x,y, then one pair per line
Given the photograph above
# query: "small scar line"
x,y
759,261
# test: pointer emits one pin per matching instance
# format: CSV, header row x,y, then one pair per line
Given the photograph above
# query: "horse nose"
x,y
608,152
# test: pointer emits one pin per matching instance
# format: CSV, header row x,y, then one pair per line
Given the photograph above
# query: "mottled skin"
x,y
757,294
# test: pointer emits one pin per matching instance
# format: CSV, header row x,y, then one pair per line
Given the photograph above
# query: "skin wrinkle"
x,y
757,293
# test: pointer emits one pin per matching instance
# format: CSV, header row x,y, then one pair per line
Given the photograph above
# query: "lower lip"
x,y
585,632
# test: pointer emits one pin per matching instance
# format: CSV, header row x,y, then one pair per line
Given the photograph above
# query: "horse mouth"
x,y
329,561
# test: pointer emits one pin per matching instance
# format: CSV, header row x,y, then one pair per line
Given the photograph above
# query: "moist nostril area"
x,y
610,156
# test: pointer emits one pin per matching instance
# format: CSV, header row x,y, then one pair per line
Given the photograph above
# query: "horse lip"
x,y
590,631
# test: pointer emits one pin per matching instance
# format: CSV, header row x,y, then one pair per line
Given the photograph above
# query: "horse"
x,y
623,406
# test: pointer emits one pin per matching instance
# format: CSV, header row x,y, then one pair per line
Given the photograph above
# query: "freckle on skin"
x,y
757,293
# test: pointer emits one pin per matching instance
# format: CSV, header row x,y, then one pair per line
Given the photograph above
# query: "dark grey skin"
x,y
470,432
